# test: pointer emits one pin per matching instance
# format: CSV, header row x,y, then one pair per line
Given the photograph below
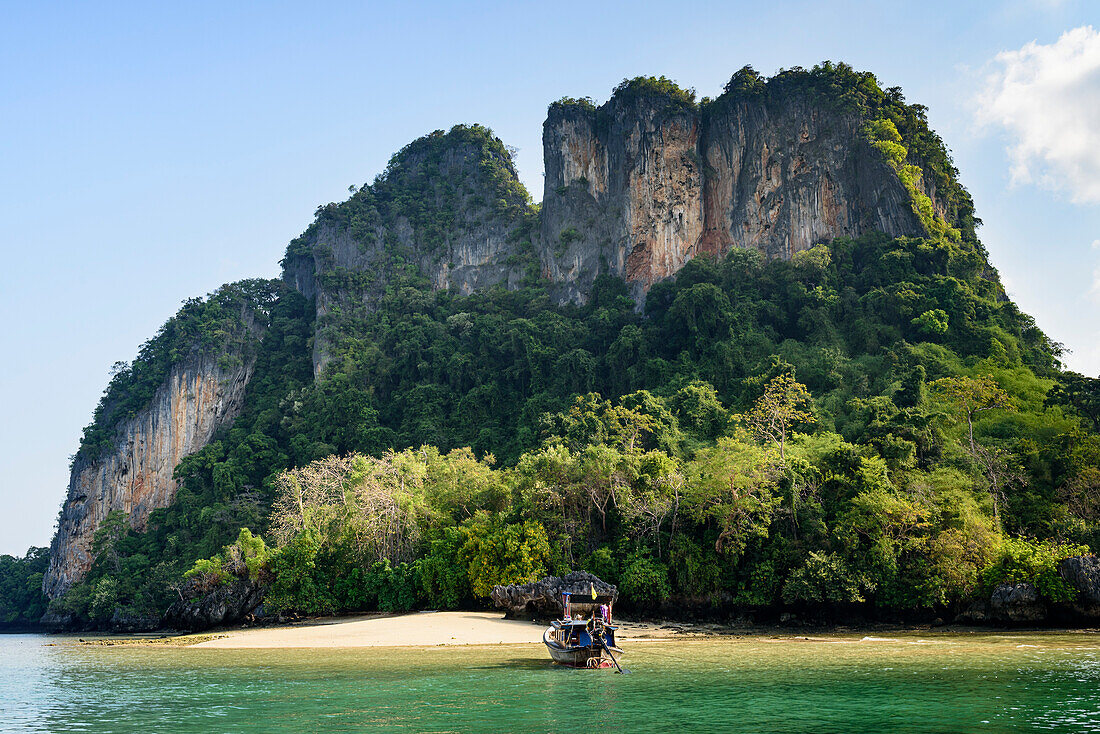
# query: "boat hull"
x,y
588,656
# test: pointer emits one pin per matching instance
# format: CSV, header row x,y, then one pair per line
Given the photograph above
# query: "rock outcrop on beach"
x,y
540,599
1023,604
1083,572
235,601
1016,603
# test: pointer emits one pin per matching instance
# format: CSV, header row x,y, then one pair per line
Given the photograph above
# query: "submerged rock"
x,y
543,598
225,604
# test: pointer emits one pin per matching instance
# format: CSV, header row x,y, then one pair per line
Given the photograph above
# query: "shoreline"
x,y
460,629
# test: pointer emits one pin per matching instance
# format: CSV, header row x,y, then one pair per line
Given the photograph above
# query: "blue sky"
x,y
150,152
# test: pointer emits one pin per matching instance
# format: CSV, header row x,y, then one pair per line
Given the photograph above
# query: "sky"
x,y
150,152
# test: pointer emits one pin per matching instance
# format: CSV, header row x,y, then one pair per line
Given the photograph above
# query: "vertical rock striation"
x,y
186,383
782,180
623,193
641,185
135,476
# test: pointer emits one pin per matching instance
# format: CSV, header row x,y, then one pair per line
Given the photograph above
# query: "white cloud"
x,y
1047,97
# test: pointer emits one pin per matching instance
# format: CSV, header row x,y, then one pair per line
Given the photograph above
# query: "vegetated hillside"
x,y
868,420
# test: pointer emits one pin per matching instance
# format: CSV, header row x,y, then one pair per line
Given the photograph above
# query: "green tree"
x,y
732,486
1080,393
22,602
109,534
969,397
496,553
784,405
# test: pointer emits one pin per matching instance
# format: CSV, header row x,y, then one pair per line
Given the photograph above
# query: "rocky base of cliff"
x,y
1022,604
120,621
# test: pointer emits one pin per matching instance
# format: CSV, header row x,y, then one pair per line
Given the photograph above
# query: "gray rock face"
x,y
543,598
638,187
196,398
450,211
1017,603
123,622
226,604
623,193
54,622
1084,573
783,181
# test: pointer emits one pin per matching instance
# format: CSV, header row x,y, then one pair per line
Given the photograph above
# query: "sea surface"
x,y
909,682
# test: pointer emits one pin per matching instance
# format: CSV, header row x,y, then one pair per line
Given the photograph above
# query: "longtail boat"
x,y
584,637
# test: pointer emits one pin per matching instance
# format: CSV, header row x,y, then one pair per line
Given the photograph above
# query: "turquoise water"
x,y
840,683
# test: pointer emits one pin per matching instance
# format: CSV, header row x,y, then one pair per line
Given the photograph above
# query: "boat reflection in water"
x,y
584,637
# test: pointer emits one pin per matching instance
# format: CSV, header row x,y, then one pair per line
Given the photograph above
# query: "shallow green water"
x,y
841,683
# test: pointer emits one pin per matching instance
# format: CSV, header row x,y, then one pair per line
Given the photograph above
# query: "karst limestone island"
x,y
799,245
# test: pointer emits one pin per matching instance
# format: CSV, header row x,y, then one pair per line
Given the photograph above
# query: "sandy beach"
x,y
426,629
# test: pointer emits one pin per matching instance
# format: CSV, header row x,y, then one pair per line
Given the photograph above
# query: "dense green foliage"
x,y
652,87
681,484
436,189
22,602
871,422
247,557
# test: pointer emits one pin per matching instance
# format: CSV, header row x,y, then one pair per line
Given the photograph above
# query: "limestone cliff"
x,y
130,451
449,212
135,477
633,188
623,192
640,185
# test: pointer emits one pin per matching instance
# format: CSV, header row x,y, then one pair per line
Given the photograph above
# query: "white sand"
x,y
425,628
406,630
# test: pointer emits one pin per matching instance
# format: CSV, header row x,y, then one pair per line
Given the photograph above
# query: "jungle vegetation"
x,y
872,422
868,422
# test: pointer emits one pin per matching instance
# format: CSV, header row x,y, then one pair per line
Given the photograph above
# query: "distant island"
x,y
747,360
